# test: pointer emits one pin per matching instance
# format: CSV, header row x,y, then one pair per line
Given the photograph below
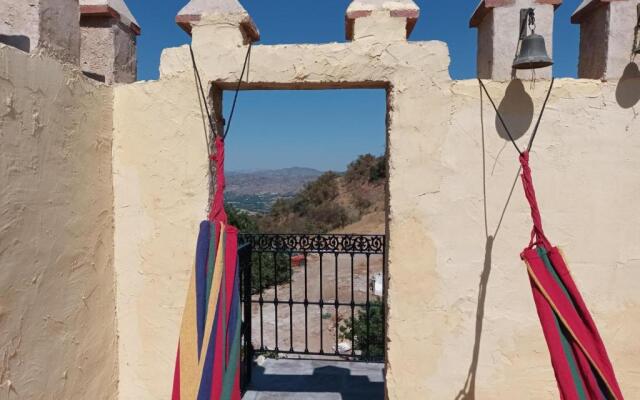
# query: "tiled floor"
x,y
316,380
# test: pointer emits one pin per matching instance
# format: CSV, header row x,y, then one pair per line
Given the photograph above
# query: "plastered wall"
x,y
97,238
477,334
57,288
161,192
462,322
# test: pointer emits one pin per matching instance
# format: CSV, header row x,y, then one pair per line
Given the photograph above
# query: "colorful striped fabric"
x,y
578,355
208,360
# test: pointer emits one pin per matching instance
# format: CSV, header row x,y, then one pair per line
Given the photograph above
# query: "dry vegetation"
x,y
331,202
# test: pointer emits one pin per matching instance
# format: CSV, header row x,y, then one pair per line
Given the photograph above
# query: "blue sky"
x,y
324,129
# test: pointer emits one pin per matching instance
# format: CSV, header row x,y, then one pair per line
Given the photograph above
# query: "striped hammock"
x,y
578,355
208,360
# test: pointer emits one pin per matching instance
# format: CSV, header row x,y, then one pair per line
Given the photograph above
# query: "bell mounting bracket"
x,y
527,18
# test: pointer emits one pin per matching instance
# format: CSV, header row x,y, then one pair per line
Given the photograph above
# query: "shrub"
x,y
324,189
367,168
361,202
245,222
379,170
371,346
329,216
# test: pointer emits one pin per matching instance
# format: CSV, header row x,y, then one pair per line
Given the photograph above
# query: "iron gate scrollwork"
x,y
314,295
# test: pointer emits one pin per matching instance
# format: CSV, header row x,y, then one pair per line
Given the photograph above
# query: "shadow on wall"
x,y
20,42
628,90
468,391
516,109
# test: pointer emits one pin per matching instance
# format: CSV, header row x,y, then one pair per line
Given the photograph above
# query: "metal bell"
x,y
533,53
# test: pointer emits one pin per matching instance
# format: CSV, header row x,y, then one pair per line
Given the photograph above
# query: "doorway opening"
x,y
307,184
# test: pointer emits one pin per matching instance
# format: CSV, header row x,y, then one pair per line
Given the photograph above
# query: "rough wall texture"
x,y
480,335
51,26
57,299
366,28
60,29
125,63
161,191
108,49
97,50
20,18
461,317
461,320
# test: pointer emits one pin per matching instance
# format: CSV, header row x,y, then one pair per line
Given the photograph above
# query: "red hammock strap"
x,y
217,213
538,237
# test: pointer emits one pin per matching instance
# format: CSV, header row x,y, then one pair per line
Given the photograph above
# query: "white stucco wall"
x,y
97,242
585,165
161,192
585,172
57,288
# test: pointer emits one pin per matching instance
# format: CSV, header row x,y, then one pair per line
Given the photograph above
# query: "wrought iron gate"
x,y
314,295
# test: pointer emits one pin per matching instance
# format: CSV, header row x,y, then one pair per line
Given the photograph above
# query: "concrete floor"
x,y
316,380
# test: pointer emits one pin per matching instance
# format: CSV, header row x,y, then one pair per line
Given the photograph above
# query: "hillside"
x,y
346,202
277,181
257,191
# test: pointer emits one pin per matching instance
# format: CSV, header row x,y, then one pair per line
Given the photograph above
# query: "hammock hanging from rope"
x,y
208,359
578,355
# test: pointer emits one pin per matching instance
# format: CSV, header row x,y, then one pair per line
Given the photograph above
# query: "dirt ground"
x,y
321,321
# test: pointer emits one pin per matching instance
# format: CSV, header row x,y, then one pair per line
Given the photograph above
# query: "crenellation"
x,y
42,26
498,24
221,13
607,37
361,14
109,38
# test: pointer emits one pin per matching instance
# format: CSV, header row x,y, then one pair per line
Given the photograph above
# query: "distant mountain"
x,y
256,191
349,202
286,181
